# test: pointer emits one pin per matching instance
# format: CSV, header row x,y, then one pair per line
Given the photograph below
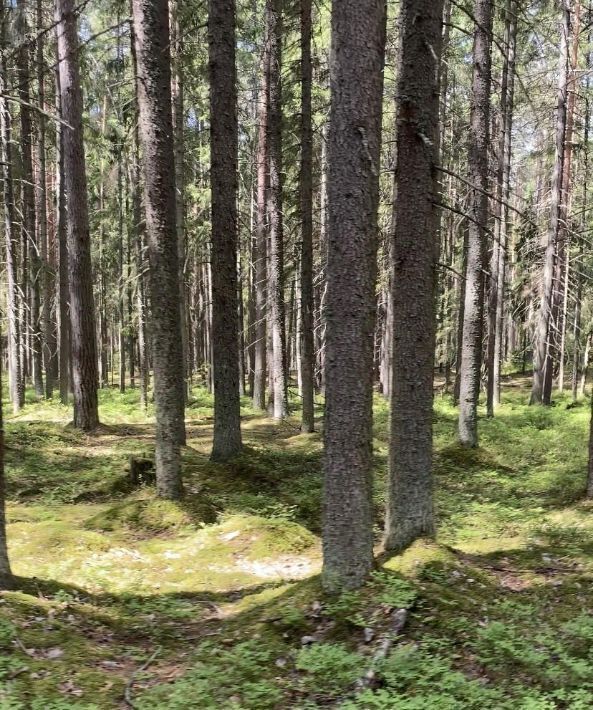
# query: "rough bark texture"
x,y
479,136
14,335
62,242
261,237
151,29
276,261
358,48
307,348
224,148
83,345
541,345
415,252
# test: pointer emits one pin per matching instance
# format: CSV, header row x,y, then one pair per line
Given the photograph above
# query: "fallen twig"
x,y
130,684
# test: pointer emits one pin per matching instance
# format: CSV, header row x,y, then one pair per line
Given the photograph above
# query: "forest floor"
x,y
126,601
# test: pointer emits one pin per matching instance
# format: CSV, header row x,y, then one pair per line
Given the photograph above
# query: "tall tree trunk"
x,y
151,30
307,347
261,236
563,248
358,50
48,281
498,260
16,382
479,137
178,101
224,146
63,309
82,310
542,361
415,253
29,225
276,261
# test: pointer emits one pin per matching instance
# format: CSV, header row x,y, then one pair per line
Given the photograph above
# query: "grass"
x,y
216,603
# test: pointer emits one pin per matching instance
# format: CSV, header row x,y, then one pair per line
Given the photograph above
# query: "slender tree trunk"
x,y
261,238
178,101
307,348
479,137
6,578
62,242
542,362
16,382
358,50
278,364
415,254
151,30
82,310
48,333
224,146
29,223
498,260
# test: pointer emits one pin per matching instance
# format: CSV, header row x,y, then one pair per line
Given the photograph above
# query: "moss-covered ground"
x,y
127,601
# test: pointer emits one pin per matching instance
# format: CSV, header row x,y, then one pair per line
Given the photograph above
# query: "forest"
x,y
296,331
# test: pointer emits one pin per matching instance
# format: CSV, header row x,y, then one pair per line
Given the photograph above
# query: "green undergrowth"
x,y
214,602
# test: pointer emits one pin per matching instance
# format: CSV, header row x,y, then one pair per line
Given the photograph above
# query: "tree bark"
x,y
279,375
307,347
261,237
151,31
358,50
415,252
29,217
82,310
479,137
224,146
542,362
16,382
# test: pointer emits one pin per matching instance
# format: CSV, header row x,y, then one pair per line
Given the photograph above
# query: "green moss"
x,y
154,516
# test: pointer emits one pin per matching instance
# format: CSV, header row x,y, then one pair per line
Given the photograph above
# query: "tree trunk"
x,y
498,260
307,348
358,50
62,242
542,362
479,137
415,253
276,260
28,222
261,238
82,310
6,578
224,146
151,29
16,382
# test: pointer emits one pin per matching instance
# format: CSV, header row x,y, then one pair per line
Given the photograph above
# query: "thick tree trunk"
x,y
224,146
279,375
415,254
151,29
307,347
542,361
82,310
16,382
479,136
358,49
